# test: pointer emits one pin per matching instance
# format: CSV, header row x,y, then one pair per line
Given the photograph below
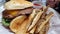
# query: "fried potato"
x,y
16,22
35,20
47,18
38,25
31,17
45,10
44,29
32,30
23,28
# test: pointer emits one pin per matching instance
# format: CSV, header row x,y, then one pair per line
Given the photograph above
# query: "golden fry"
x,y
35,20
44,22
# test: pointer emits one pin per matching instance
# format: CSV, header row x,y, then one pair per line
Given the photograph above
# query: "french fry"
x,y
31,17
16,22
38,25
50,14
44,22
35,20
44,29
33,30
47,27
45,10
23,28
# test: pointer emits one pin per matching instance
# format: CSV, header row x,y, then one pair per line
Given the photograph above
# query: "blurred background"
x,y
55,4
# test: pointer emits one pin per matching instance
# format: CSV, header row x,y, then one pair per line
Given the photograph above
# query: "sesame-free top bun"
x,y
17,4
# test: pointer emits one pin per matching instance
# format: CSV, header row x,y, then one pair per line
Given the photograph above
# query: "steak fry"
x,y
33,30
31,17
47,18
47,27
38,25
44,29
23,28
16,22
35,20
45,10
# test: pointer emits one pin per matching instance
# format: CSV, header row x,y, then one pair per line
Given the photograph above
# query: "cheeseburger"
x,y
15,8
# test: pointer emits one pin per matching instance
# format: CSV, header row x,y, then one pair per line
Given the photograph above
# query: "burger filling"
x,y
8,15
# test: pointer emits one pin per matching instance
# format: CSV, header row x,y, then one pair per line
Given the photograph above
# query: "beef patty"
x,y
14,13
